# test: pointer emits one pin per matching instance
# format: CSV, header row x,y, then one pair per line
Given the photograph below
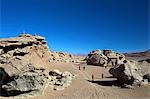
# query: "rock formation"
x,y
63,57
60,80
127,73
23,65
105,58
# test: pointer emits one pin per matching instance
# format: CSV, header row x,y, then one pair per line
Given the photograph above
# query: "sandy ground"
x,y
83,88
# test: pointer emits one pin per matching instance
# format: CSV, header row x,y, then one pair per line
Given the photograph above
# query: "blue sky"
x,y
79,26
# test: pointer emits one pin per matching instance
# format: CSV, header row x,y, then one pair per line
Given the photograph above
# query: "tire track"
x,y
100,91
86,76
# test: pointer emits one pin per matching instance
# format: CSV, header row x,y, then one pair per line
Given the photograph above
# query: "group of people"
x,y
83,68
92,74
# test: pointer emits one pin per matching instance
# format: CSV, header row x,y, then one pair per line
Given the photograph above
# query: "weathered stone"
x,y
104,58
1,51
62,57
60,80
19,69
23,62
25,35
26,81
55,73
4,77
96,52
127,73
147,76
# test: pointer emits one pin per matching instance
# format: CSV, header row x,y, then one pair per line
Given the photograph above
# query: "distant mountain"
x,y
148,51
138,55
84,55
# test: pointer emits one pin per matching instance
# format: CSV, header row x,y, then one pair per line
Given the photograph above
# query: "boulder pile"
x,y
24,62
127,72
63,57
104,58
59,80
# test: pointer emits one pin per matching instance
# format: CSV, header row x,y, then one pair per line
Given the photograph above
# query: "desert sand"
x,y
82,88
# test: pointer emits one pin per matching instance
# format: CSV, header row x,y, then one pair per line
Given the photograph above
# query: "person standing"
x,y
79,67
102,75
92,77
83,68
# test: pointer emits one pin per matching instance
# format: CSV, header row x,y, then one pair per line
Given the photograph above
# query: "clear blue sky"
x,y
78,26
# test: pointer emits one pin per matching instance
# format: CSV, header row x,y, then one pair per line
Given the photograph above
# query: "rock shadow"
x,y
4,79
5,93
109,77
106,82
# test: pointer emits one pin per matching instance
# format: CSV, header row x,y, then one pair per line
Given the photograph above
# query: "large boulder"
x,y
104,58
127,73
27,81
4,77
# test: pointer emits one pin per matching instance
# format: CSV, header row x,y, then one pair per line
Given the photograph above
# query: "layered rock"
x,y
24,62
63,57
17,53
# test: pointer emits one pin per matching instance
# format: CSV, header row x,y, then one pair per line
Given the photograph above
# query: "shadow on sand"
x,y
5,93
106,82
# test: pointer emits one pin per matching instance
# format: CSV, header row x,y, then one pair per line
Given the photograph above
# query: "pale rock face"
x,y
60,80
23,66
1,51
96,52
62,57
57,71
104,58
127,73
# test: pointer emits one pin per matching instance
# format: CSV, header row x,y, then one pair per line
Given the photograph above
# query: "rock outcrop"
x,y
128,74
63,57
144,66
30,79
24,62
105,58
60,80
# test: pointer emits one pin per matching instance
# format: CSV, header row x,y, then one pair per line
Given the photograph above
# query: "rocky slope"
x,y
24,62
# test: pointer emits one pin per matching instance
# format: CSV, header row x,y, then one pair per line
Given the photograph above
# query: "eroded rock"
x,y
23,66
127,73
104,58
60,80
147,76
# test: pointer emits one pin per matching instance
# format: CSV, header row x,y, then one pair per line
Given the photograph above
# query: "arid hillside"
x,y
138,55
